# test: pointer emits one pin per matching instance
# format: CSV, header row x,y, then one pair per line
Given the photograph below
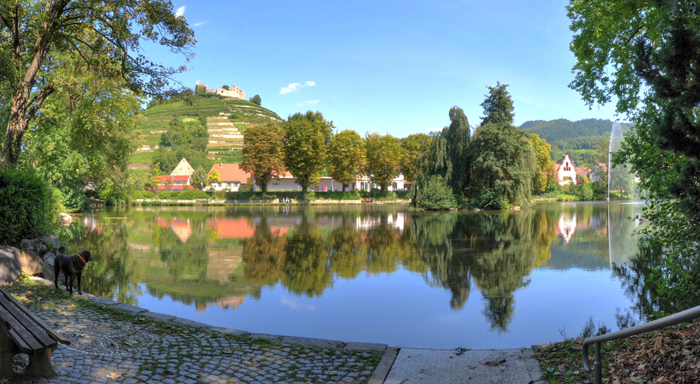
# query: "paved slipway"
x,y
105,349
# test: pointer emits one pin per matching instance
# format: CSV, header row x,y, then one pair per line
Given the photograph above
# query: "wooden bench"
x,y
23,332
366,200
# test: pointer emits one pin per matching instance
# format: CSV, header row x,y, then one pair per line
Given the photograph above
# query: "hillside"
x,y
225,120
579,139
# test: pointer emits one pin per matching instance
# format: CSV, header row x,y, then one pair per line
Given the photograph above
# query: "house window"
x,y
178,183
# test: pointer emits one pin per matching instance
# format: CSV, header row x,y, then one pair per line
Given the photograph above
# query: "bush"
x,y
165,195
143,195
74,198
192,194
490,199
436,195
28,207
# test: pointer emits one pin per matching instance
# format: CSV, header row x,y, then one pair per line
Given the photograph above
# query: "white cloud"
x,y
308,102
199,24
296,86
180,11
295,306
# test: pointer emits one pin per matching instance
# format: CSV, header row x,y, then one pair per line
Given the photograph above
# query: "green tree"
x,y
545,166
306,140
383,155
346,157
413,146
263,155
199,178
645,55
502,158
498,106
85,132
226,87
107,35
256,99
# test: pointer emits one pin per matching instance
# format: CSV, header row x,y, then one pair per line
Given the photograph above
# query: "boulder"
x,y
10,265
35,245
47,270
51,240
31,262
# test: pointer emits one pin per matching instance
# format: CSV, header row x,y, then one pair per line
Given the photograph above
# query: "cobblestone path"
x,y
136,346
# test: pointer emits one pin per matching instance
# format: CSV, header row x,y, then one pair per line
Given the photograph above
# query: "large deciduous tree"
x,y
383,159
646,55
306,141
413,146
545,166
263,153
346,157
502,158
107,35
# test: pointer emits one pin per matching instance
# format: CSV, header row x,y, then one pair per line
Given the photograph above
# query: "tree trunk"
x,y
383,190
303,192
344,185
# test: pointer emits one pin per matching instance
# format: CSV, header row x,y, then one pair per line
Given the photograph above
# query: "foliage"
x,y
644,54
143,195
580,134
199,178
383,158
256,99
263,155
413,145
306,140
498,106
28,209
447,156
545,166
106,35
435,195
191,194
182,141
346,157
502,158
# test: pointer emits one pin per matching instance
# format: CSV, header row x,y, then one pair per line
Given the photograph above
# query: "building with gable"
x,y
234,92
565,171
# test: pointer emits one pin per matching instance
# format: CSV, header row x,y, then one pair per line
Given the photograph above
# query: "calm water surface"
x,y
384,274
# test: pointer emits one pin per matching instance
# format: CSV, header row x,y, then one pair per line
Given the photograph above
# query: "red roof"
x,y
231,173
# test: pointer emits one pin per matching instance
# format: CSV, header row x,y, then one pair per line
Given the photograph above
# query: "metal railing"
x,y
667,321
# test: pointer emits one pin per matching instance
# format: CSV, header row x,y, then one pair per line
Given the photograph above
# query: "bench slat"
x,y
19,334
29,332
18,341
41,323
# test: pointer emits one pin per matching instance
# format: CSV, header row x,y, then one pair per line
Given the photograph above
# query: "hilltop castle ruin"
x,y
234,92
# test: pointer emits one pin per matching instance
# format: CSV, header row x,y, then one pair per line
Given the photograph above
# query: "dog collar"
x,y
81,258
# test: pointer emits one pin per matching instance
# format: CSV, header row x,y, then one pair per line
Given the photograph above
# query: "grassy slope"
x,y
157,119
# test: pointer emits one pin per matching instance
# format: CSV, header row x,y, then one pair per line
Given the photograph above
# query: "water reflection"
x,y
216,257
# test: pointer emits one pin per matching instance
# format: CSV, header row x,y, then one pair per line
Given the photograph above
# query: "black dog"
x,y
72,267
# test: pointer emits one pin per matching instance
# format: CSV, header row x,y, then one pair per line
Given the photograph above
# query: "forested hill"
x,y
578,139
562,129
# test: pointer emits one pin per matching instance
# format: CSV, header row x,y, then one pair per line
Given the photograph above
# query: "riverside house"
x,y
232,177
565,171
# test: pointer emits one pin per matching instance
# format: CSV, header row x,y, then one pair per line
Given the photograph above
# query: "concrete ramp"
x,y
497,366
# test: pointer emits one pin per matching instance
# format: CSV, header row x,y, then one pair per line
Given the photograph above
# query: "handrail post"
x,y
598,366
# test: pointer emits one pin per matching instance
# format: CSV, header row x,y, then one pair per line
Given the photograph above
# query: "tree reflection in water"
x,y
203,255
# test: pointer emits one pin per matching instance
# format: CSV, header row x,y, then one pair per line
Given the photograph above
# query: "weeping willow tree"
x,y
444,165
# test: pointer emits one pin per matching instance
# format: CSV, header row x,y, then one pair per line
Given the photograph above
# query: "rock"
x,y
516,208
51,240
31,262
47,268
65,218
10,265
34,245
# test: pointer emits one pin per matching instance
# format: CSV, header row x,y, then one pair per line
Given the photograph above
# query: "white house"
x,y
565,171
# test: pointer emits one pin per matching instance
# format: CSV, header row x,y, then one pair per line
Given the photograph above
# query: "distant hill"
x,y
578,139
224,118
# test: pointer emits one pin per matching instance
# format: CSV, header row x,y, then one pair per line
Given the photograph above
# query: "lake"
x,y
370,273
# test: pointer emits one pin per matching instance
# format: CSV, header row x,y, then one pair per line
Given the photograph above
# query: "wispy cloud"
x,y
295,306
199,24
296,86
180,11
308,102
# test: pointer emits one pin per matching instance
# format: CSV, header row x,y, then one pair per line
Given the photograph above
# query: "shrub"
x,y
143,195
436,195
490,199
192,194
165,195
74,199
28,207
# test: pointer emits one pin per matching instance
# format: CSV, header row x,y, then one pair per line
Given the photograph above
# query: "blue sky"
x,y
387,66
